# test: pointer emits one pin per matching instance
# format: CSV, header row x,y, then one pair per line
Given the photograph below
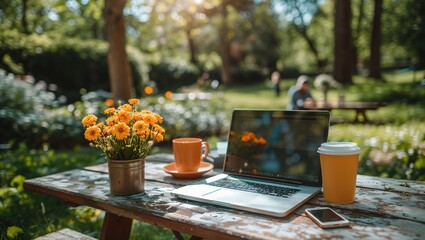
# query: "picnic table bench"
x,y
383,209
359,107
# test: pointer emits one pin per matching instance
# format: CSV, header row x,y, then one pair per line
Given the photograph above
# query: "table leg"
x,y
362,114
115,227
179,236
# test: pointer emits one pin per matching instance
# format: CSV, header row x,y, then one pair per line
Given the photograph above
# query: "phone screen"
x,y
325,215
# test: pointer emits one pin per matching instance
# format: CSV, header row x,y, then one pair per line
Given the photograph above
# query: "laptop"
x,y
271,164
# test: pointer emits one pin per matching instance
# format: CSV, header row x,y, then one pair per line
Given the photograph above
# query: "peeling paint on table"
x,y
377,213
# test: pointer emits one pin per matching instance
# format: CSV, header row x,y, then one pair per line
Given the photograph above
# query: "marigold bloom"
x,y
158,117
159,129
149,118
159,137
112,120
140,127
110,111
107,130
126,108
134,101
146,112
124,117
137,116
168,94
109,102
148,90
121,131
92,133
89,120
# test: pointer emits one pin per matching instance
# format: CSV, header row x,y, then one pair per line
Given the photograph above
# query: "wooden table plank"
x,y
375,214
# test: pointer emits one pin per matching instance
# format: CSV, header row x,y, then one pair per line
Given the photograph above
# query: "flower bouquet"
x,y
125,138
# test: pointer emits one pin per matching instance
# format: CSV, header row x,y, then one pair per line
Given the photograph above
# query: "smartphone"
x,y
325,217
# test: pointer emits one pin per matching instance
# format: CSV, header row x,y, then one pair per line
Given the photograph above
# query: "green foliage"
x,y
69,63
202,118
169,76
29,114
34,213
387,151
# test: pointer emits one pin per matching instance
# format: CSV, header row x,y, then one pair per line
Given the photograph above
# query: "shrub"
x,y
70,63
248,76
29,114
201,118
170,76
387,151
26,214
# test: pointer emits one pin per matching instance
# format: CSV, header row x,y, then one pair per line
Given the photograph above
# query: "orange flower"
x,y
110,111
134,101
124,117
168,94
137,116
149,118
140,127
126,108
112,120
245,138
121,131
89,120
109,102
159,137
158,117
158,129
148,90
92,133
126,133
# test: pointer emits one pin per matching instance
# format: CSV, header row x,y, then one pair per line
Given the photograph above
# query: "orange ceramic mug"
x,y
339,163
188,153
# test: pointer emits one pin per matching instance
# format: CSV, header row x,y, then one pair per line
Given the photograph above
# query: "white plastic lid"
x,y
339,148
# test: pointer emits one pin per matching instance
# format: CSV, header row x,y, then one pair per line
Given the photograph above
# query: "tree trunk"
x,y
118,66
343,45
357,35
24,21
375,43
225,48
192,47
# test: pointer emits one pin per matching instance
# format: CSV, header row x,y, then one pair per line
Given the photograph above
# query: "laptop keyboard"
x,y
271,190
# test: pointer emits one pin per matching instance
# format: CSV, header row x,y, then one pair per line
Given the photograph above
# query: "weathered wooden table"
x,y
383,209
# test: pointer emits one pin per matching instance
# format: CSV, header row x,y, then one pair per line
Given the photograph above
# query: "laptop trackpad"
x,y
230,196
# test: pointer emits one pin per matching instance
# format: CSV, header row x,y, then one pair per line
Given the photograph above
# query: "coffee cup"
x,y
188,153
339,164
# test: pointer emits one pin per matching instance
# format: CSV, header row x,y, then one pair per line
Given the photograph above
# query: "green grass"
x,y
404,97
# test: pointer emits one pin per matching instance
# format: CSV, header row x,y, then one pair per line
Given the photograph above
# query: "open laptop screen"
x,y
278,145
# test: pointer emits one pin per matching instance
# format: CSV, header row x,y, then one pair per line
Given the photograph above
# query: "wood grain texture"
x,y
383,208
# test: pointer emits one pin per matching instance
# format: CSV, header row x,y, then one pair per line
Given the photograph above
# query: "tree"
x,y
343,47
118,66
375,42
228,64
405,26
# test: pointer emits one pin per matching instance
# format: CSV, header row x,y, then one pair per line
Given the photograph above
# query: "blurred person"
x,y
299,95
275,78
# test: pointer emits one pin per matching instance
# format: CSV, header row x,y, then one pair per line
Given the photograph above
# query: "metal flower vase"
x,y
126,177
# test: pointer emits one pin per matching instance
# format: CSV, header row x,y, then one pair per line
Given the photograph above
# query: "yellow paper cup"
x,y
339,163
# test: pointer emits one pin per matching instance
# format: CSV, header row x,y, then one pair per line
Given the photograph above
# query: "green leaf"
x,y
18,182
13,232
